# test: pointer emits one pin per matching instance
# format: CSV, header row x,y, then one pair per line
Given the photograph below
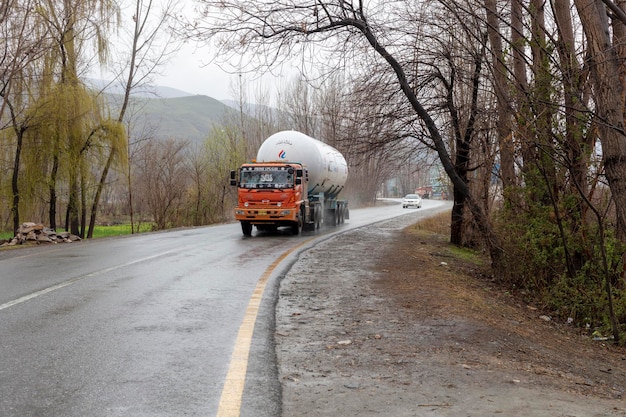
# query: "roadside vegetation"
x,y
534,275
120,230
105,230
514,110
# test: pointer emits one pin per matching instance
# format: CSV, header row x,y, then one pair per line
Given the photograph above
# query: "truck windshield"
x,y
266,177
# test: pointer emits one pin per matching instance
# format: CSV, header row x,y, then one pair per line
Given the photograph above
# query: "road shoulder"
x,y
381,321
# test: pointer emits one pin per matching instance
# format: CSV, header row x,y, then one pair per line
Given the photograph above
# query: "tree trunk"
x,y
520,92
72,204
543,143
463,140
52,191
96,199
578,146
456,219
607,76
501,87
83,204
15,208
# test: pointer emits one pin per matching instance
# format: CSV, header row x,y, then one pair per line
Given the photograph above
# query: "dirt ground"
x,y
387,321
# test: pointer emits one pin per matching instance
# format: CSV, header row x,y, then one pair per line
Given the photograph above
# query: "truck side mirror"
x,y
233,178
299,173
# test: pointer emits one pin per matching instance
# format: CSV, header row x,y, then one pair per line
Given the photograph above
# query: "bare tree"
x,y
344,31
295,103
162,179
150,47
374,131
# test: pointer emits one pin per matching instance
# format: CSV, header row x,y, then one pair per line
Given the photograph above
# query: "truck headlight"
x,y
240,212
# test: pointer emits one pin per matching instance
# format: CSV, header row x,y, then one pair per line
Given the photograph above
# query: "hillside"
x,y
163,112
187,118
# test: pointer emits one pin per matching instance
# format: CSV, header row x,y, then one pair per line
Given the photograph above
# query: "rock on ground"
x,y
37,233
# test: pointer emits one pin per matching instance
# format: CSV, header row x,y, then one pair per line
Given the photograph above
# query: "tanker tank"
x,y
326,166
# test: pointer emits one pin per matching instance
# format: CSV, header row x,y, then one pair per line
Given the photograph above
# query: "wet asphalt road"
x,y
144,325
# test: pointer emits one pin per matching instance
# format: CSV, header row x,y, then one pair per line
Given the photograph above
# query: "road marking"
x,y
76,279
232,393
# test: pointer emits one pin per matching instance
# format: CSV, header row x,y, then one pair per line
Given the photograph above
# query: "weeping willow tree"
x,y
66,128
61,129
225,149
69,139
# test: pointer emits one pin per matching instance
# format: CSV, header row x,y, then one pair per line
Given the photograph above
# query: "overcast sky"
x,y
188,71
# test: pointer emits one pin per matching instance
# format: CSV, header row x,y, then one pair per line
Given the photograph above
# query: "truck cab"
x,y
270,195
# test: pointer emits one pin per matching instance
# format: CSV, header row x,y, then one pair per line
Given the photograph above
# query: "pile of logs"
x,y
38,233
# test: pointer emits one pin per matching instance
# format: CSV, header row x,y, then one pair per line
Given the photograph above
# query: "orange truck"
x,y
294,182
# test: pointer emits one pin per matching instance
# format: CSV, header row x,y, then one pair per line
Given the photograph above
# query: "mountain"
x,y
150,91
187,118
253,110
162,112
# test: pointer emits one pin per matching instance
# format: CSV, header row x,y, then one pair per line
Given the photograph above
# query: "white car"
x,y
411,200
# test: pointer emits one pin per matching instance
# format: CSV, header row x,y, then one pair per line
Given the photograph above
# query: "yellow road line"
x,y
230,401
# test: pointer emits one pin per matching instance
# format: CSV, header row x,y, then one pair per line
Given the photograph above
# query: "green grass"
x,y
119,230
102,231
467,254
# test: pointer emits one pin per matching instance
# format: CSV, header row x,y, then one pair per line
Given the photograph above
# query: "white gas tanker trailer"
x,y
295,181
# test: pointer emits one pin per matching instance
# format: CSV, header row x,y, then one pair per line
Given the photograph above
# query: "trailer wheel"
x,y
330,217
318,217
246,228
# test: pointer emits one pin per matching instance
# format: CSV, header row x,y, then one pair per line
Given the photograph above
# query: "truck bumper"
x,y
264,216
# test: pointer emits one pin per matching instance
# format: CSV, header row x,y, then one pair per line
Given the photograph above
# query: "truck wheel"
x,y
246,228
298,225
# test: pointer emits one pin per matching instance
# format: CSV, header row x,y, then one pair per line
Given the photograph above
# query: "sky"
x,y
188,72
